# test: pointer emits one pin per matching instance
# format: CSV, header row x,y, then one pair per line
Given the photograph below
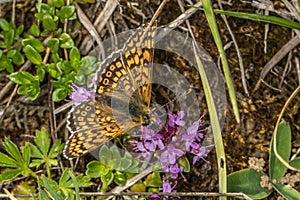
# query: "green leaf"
x,y
22,78
120,178
35,43
64,178
42,140
18,58
85,1
83,181
53,70
26,154
6,64
153,180
59,94
53,44
66,41
12,150
105,154
261,18
9,37
48,22
40,72
75,184
247,181
11,53
35,152
55,149
66,12
138,187
9,174
19,31
33,55
115,152
6,161
4,25
74,55
184,162
57,3
107,178
34,30
287,192
277,169
23,89
50,189
34,90
95,169
125,164
295,163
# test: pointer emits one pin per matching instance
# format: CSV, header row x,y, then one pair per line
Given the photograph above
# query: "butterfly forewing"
x,y
125,74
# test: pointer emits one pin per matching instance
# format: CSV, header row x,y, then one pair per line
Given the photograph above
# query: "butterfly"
x,y
122,97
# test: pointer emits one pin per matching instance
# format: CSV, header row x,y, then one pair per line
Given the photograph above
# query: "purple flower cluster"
x,y
80,94
171,143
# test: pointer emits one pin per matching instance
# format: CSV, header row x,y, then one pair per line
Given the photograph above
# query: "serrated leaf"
x,y
33,55
9,174
83,181
55,149
50,189
26,154
64,178
42,140
6,161
12,150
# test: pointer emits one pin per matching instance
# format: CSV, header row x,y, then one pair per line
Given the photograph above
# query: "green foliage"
x,y
10,50
64,189
248,181
17,161
59,58
42,152
112,166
